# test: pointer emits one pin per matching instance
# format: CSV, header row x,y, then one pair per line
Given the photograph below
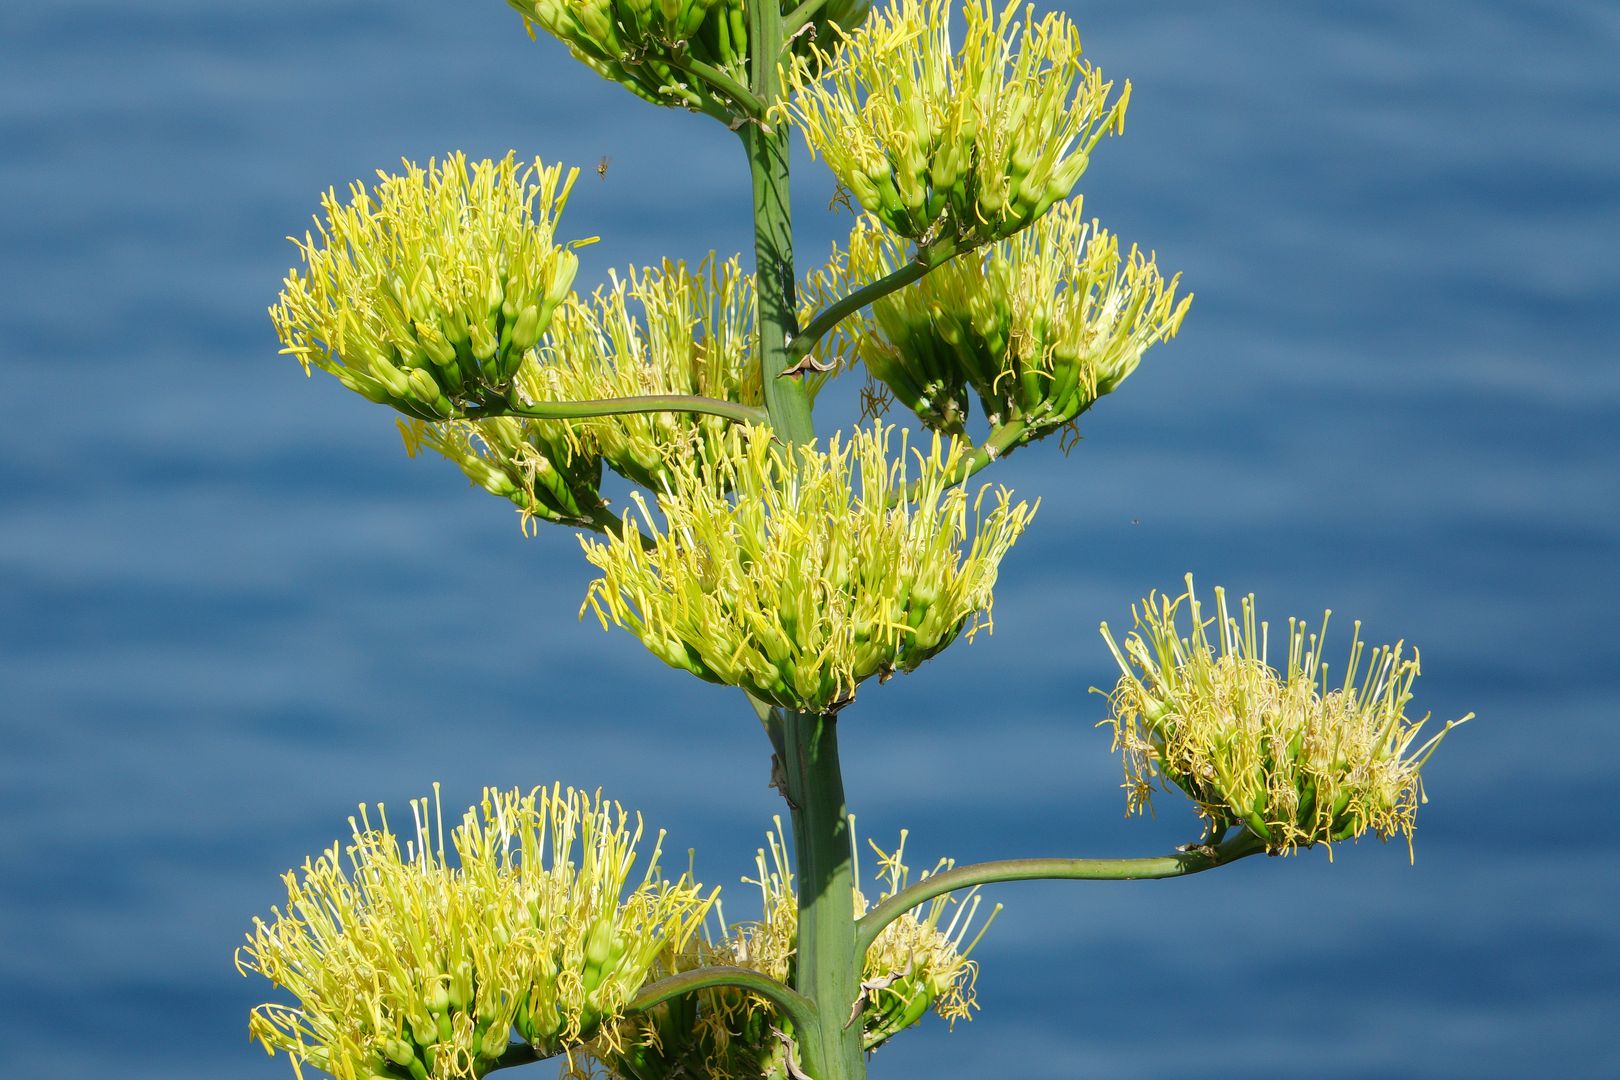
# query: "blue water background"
x,y
230,608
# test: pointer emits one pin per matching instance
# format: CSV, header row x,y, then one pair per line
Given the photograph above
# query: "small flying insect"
x,y
602,166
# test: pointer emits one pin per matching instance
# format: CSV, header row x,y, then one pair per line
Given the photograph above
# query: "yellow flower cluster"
x,y
426,292
968,144
694,336
918,964
670,330
406,966
1039,326
1285,755
797,573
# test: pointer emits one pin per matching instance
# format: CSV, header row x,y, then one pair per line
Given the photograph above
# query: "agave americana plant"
x,y
762,554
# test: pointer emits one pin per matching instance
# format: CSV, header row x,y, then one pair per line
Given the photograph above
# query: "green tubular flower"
x,y
425,292
1285,755
1039,326
796,574
918,964
969,145
693,337
405,966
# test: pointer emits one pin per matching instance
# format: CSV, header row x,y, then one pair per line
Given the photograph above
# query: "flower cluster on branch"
x,y
918,964
966,144
797,573
1037,326
406,963
694,336
1286,754
425,292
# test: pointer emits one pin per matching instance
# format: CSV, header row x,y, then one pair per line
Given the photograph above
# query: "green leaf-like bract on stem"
x,y
797,573
1285,754
425,292
405,963
1038,326
966,145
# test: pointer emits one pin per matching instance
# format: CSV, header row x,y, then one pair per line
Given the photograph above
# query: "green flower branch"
x,y
1195,859
621,406
929,257
793,1005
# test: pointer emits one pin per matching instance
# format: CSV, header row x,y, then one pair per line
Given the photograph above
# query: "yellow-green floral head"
x,y
798,572
1288,755
419,960
1037,326
660,330
425,291
964,142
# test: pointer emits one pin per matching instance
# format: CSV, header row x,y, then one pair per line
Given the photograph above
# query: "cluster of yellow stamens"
x,y
970,144
1288,756
426,292
796,573
407,964
1038,326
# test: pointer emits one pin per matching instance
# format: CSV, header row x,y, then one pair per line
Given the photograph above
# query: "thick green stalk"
x,y
828,962
786,398
827,966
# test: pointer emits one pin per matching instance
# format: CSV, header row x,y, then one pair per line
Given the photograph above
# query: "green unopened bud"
x,y
526,331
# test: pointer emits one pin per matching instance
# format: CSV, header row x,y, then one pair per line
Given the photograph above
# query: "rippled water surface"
x,y
230,608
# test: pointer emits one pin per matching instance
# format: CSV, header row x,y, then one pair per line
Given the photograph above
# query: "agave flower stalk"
x,y
791,565
1289,755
